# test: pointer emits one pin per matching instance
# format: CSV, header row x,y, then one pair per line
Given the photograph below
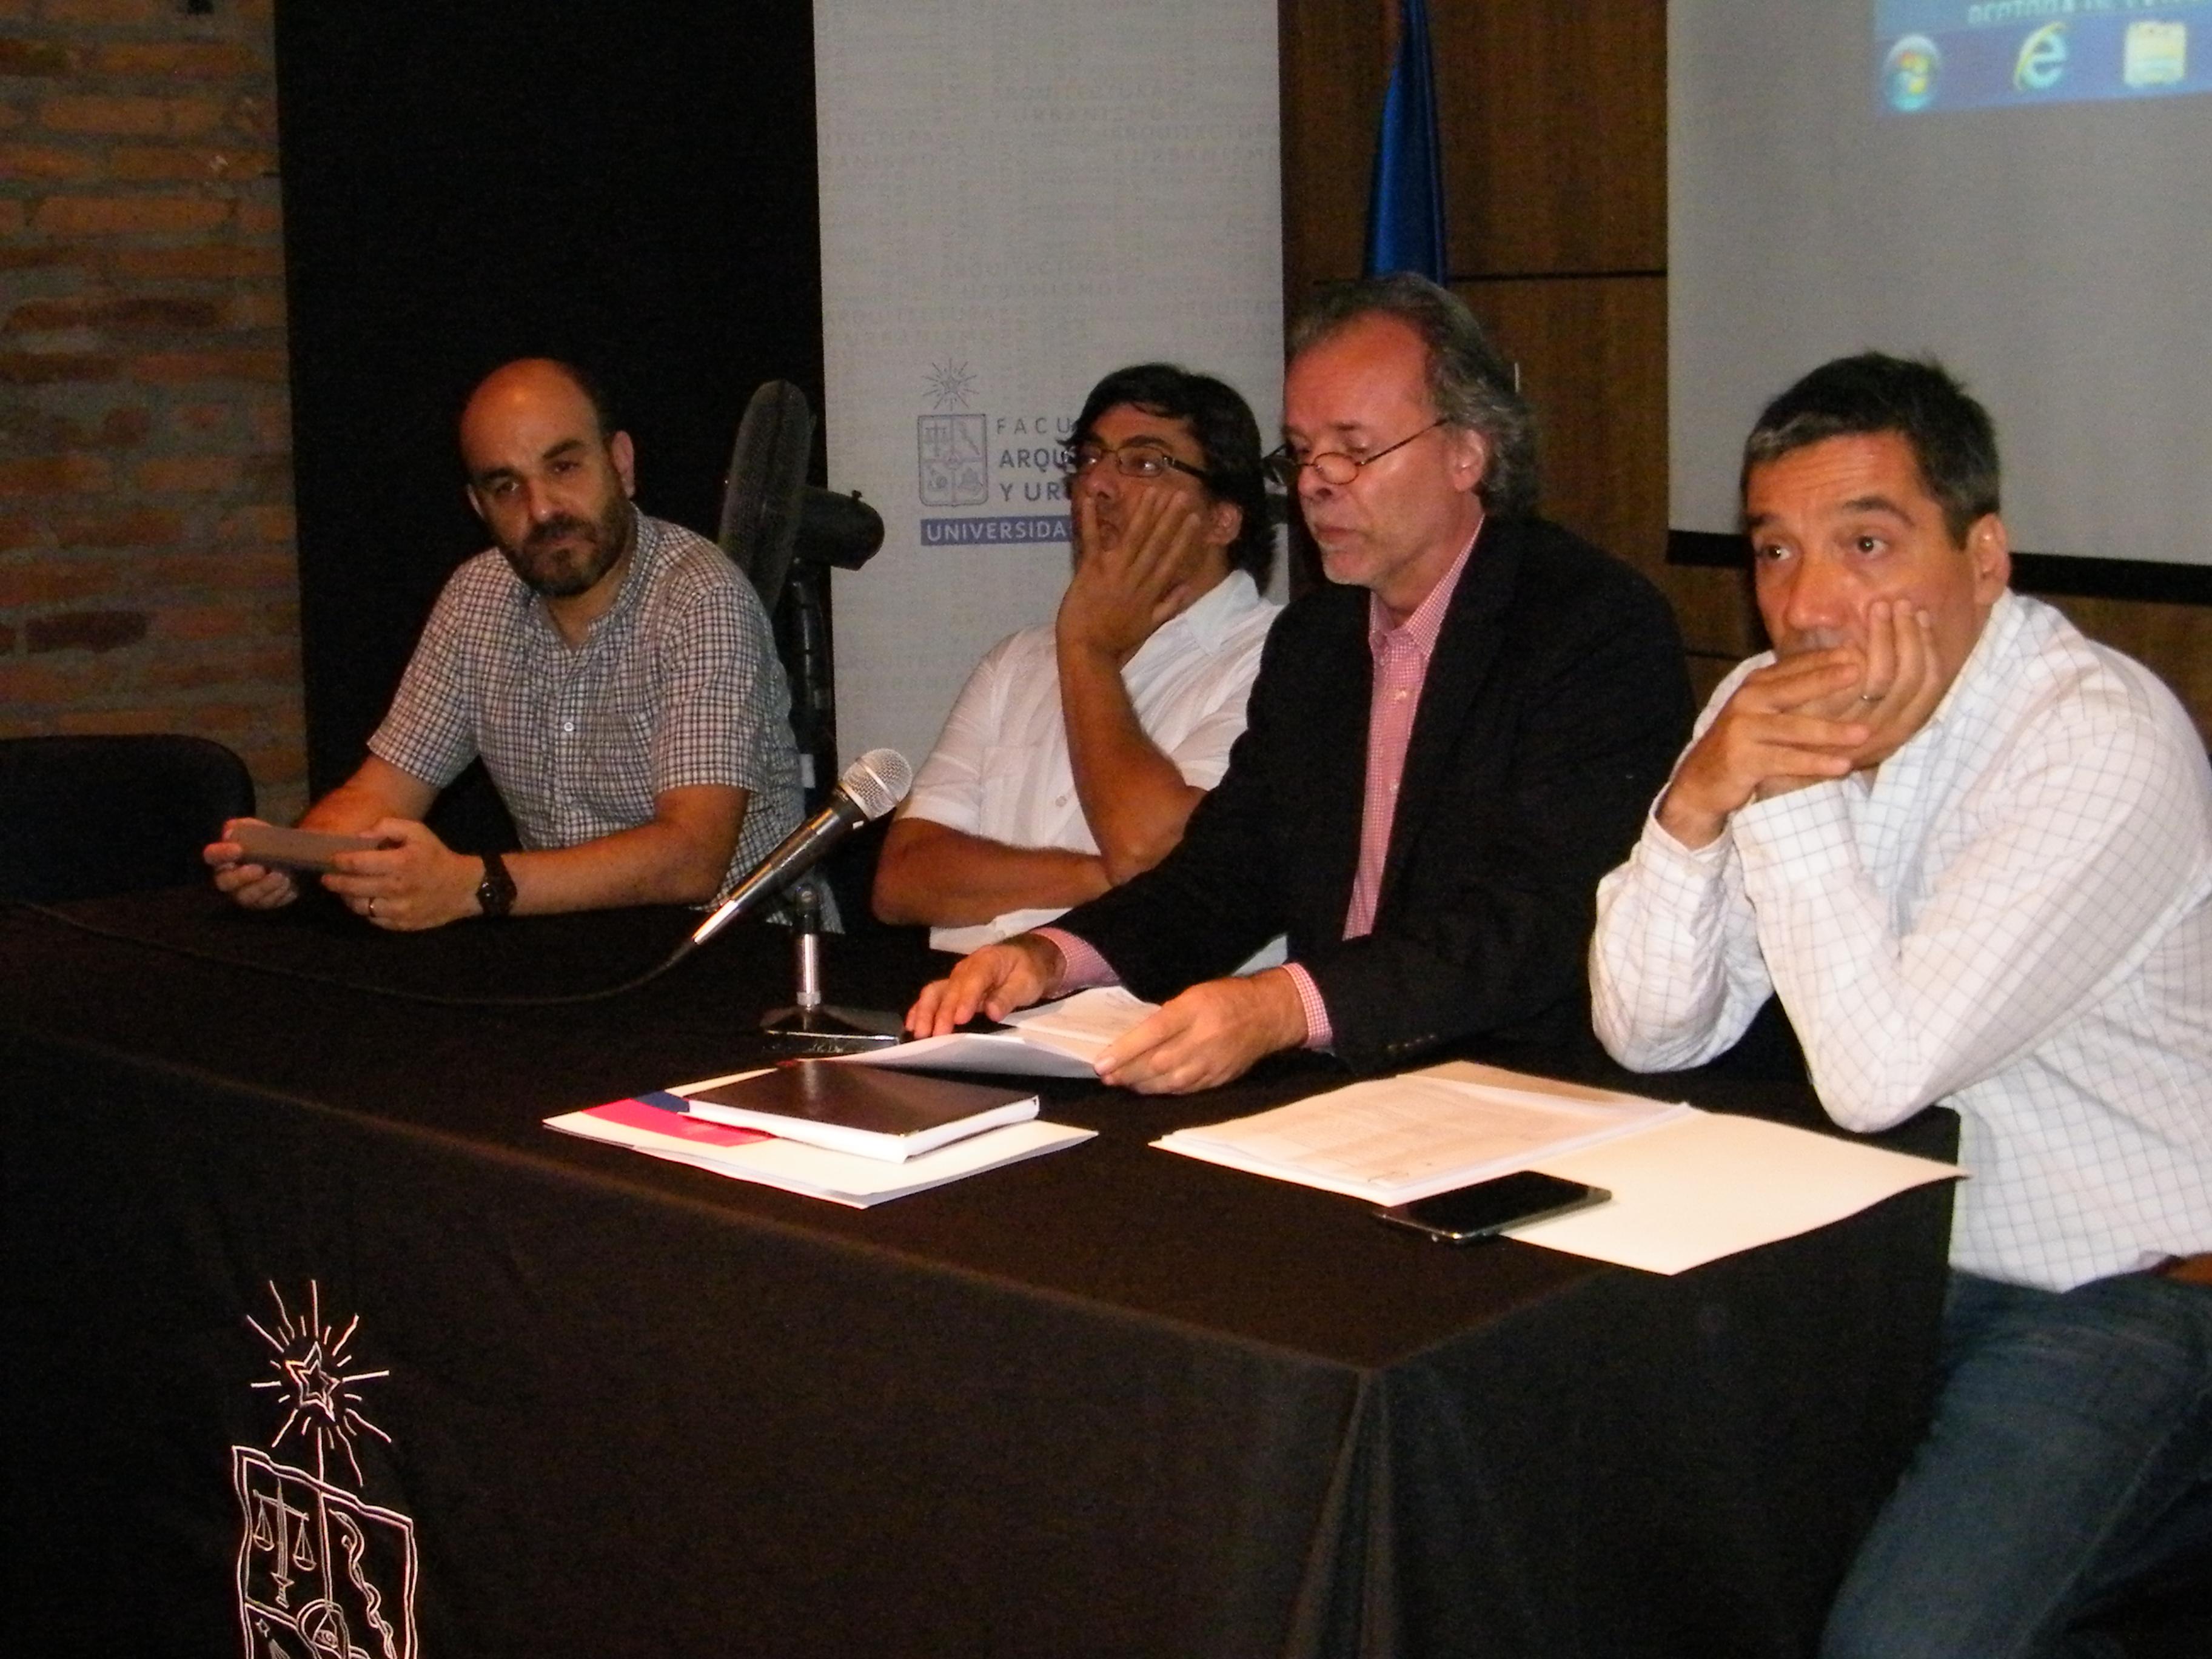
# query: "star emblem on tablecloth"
x,y
311,1363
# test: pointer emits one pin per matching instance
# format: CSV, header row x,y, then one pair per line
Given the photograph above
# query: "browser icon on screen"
x,y
2042,61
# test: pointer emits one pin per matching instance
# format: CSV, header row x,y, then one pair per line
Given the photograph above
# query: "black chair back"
x,y
83,817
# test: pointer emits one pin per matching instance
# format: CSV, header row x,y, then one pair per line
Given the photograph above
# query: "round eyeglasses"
x,y
1334,466
1132,460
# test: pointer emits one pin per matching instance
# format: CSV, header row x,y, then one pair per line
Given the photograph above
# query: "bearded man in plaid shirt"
x,y
615,673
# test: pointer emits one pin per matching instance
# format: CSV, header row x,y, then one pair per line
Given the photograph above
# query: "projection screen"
x,y
2014,187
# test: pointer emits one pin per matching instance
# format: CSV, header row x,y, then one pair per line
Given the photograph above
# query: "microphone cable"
x,y
393,993
869,787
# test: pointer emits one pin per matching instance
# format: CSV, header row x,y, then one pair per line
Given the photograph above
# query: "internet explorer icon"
x,y
1908,74
2042,61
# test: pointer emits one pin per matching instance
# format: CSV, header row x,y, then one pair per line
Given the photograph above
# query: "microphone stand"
x,y
813,1026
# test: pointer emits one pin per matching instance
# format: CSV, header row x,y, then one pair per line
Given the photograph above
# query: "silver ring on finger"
x,y
372,907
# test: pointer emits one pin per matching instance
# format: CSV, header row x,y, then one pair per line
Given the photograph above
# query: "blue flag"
x,y
1405,204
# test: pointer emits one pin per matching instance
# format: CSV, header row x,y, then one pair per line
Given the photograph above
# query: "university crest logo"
x,y
322,1574
953,448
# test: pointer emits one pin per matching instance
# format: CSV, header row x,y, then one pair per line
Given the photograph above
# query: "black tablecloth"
x,y
558,1398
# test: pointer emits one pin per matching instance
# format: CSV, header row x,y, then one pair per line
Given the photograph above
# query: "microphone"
x,y
869,787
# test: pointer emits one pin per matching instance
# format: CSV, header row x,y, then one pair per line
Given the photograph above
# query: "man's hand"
x,y
417,881
2189,1269
256,886
1817,716
994,980
1125,588
1212,1034
1900,686
1777,732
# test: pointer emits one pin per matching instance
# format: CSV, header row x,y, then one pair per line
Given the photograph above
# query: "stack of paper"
x,y
1688,1186
661,1126
1397,1139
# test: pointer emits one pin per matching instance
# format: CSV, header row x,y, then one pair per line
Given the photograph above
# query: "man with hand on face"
x,y
1075,752
1447,745
1971,852
615,673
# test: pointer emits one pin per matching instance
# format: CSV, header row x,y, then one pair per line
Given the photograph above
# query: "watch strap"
x,y
496,892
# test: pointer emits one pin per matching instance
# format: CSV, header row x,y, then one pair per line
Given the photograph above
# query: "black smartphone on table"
x,y
1488,1207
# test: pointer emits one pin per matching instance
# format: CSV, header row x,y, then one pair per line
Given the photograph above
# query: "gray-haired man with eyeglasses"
x,y
1076,749
1446,745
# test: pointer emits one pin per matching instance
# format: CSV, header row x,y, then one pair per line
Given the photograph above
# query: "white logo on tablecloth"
x,y
322,1574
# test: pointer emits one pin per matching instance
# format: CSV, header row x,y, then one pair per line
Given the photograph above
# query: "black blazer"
x,y
1554,705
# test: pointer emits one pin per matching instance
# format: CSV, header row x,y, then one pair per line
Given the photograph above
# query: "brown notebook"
x,y
861,1108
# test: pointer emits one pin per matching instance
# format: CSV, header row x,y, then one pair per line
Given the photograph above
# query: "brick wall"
x,y
147,574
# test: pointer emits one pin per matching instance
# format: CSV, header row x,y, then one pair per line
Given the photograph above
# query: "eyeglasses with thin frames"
x,y
1334,466
1133,460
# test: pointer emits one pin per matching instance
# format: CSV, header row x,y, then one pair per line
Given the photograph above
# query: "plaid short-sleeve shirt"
x,y
678,685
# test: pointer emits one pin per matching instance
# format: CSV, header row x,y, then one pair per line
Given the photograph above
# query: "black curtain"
x,y
630,187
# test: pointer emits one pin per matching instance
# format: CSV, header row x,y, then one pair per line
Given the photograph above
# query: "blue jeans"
x,y
2070,1463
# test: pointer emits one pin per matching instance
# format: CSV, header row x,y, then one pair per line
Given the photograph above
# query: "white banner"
x,y
1018,197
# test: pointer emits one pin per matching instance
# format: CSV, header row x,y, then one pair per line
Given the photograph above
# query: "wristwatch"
x,y
496,892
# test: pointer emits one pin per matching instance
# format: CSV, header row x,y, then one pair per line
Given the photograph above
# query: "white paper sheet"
x,y
1084,1022
1393,1140
1708,1185
1054,1039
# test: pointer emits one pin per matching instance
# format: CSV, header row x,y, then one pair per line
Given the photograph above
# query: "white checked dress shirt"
x,y
2009,916
677,684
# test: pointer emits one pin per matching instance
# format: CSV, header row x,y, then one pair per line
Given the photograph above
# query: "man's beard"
x,y
558,573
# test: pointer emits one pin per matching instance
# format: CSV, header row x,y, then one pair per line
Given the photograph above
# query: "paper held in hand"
x,y
1394,1139
1054,1039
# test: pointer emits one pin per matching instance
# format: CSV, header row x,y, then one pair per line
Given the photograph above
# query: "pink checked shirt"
x,y
1401,655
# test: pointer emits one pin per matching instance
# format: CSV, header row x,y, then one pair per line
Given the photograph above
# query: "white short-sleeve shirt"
x,y
1001,768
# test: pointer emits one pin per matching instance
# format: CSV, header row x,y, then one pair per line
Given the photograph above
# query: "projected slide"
x,y
1933,55
2053,258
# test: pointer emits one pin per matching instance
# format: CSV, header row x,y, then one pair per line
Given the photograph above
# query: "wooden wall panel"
x,y
1592,353
1554,127
1553,121
1334,58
